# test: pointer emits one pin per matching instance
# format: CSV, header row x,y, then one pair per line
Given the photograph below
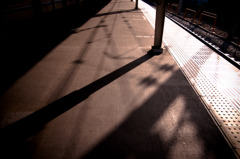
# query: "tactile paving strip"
x,y
234,136
216,81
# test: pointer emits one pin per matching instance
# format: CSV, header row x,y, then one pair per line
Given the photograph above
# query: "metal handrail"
x,y
191,10
171,5
210,15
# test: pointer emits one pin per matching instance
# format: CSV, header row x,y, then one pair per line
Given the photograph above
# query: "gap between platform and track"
x,y
215,80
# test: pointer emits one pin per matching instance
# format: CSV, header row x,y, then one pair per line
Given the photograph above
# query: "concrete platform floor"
x,y
98,94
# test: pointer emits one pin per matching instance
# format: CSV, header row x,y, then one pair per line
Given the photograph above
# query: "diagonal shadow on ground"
x,y
17,133
115,12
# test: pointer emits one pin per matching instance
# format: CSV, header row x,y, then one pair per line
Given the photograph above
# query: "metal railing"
x,y
187,10
172,7
209,15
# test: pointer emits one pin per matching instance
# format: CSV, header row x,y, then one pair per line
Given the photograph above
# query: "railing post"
x,y
180,6
159,25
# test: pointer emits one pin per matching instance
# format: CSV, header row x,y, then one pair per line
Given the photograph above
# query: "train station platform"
x,y
99,94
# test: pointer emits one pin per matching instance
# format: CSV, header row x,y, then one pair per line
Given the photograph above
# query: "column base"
x,y
156,50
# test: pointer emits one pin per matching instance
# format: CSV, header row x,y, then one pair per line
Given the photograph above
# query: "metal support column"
x,y
37,7
159,25
136,4
53,5
64,3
